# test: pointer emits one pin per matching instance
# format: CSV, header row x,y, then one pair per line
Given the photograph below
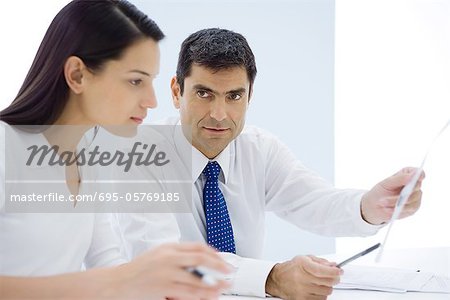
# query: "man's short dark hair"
x,y
215,49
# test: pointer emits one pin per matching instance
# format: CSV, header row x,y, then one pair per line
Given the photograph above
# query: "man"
x,y
241,172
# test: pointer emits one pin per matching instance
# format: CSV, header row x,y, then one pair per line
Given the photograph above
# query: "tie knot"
x,y
212,170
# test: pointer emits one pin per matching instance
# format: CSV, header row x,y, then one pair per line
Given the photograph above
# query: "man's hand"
x,y
378,204
303,277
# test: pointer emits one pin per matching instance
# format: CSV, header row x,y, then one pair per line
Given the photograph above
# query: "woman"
x,y
95,66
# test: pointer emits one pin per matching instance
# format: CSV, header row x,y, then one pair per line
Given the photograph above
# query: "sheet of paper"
x,y
437,284
406,192
392,280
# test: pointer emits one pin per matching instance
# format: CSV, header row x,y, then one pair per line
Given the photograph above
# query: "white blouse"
x,y
38,243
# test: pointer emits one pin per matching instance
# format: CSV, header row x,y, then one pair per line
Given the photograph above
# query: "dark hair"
x,y
95,31
216,49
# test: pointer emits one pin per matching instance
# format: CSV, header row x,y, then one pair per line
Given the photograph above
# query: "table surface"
x,y
435,260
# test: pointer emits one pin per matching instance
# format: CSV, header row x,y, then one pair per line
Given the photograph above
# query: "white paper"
x,y
406,192
392,280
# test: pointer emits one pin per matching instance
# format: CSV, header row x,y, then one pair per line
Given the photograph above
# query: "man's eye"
x,y
235,96
136,81
203,94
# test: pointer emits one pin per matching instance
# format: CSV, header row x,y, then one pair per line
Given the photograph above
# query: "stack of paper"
x,y
392,280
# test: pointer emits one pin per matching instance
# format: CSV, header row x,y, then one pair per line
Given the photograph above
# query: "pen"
x,y
368,250
205,275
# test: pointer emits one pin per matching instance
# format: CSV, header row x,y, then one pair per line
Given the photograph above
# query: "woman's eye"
x,y
203,94
136,81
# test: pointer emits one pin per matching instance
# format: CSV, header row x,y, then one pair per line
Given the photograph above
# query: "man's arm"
x,y
303,198
306,200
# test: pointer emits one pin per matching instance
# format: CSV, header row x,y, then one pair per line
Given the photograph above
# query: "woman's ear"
x,y
73,73
176,92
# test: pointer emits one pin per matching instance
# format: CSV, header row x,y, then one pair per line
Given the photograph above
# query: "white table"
x,y
436,260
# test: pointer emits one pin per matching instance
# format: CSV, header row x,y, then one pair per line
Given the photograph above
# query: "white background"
x,y
392,97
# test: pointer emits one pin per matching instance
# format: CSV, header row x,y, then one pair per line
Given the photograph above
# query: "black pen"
x,y
206,275
368,250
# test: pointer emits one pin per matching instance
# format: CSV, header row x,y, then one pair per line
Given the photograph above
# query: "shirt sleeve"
x,y
140,232
249,275
104,250
306,200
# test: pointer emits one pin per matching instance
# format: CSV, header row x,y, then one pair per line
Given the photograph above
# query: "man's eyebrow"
x,y
237,91
205,88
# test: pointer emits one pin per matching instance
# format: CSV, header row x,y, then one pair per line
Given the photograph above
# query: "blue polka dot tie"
x,y
218,225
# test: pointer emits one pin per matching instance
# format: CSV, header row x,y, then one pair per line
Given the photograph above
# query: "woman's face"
x,y
122,91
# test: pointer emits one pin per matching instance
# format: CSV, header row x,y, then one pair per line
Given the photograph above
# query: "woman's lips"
x,y
137,119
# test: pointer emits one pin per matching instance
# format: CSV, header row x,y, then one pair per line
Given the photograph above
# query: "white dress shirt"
x,y
261,174
42,244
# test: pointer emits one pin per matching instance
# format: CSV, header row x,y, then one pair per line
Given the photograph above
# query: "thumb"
x,y
400,179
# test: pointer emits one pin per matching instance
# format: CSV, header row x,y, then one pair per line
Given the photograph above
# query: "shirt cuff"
x,y
250,275
363,227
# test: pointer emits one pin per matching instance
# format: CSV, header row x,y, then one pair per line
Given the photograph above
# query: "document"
x,y
407,191
392,280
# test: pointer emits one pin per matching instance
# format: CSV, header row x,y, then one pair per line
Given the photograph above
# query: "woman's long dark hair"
x,y
93,30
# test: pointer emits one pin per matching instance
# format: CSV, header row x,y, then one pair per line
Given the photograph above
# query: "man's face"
x,y
213,106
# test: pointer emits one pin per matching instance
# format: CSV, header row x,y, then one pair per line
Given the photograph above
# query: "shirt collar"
x,y
198,160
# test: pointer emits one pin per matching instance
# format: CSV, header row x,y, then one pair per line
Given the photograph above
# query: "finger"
x,y
320,290
328,282
411,171
182,276
322,261
391,201
319,270
388,201
324,281
194,247
400,179
185,277
414,202
417,188
416,196
422,176
411,207
193,259
407,210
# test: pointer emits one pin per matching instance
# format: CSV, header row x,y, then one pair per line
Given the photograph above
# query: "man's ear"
x,y
74,69
250,93
176,92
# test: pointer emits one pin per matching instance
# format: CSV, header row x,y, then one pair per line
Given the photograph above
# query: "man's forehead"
x,y
223,79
